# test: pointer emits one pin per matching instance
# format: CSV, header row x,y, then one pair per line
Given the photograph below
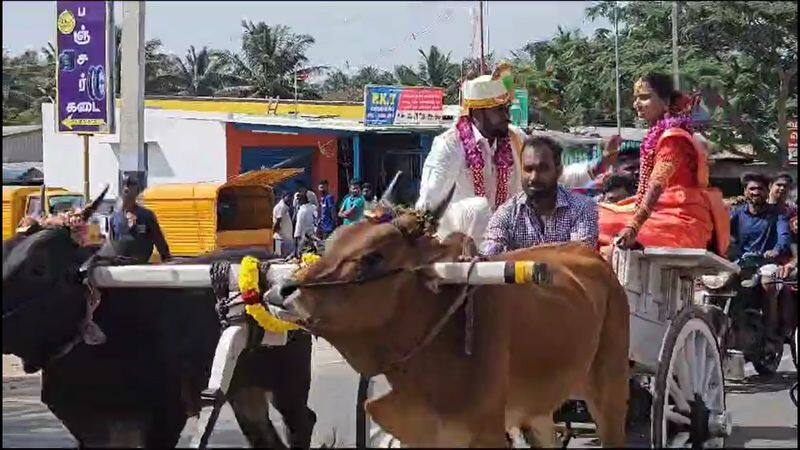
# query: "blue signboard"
x,y
406,105
380,104
84,67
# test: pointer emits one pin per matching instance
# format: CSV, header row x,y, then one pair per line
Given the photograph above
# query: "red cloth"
x,y
687,214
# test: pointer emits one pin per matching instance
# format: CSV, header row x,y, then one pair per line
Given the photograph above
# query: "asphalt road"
x,y
763,414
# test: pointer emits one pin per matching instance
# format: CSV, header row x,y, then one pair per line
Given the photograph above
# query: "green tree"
x,y
435,69
742,57
28,81
338,86
199,73
159,69
267,63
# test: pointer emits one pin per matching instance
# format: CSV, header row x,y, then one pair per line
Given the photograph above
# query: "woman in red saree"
x,y
673,206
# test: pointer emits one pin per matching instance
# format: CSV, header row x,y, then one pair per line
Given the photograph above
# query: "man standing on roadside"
x,y
327,211
301,190
282,226
306,219
370,201
352,209
134,229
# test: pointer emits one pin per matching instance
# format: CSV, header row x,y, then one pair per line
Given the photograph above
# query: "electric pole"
x,y
675,76
483,63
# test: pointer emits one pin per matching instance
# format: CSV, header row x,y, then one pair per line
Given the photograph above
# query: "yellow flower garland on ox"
x,y
248,286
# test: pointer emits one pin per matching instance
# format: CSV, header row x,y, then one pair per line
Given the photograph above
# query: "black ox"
x,y
139,386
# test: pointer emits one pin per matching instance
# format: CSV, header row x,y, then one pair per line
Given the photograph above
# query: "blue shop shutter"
x,y
257,158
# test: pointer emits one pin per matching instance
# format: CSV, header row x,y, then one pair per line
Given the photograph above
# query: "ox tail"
x,y
608,388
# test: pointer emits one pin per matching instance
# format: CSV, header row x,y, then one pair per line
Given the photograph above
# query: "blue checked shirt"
x,y
515,225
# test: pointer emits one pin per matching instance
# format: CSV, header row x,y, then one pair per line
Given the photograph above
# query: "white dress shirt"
x,y
447,164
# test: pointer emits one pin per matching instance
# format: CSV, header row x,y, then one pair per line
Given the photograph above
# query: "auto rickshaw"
x,y
19,201
201,217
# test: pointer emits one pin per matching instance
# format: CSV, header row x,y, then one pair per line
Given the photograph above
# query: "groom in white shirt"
x,y
479,155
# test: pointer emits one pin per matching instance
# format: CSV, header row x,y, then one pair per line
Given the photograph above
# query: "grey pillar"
x,y
132,157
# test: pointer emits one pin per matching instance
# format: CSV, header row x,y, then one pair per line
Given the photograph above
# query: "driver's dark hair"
x,y
754,177
547,142
663,85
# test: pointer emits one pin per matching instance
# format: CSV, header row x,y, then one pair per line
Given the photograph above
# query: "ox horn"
x,y
388,194
89,210
438,211
41,208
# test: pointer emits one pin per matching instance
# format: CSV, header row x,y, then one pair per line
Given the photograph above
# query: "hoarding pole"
x,y
131,133
86,167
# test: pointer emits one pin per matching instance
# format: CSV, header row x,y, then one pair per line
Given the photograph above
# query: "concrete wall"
x,y
23,147
179,151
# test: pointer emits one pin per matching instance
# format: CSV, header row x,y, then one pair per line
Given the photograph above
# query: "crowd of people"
x,y
300,218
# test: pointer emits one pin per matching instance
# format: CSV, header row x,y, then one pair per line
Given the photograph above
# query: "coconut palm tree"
x,y
158,66
199,73
434,69
267,63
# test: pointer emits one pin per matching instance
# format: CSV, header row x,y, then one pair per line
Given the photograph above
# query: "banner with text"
x,y
396,105
84,67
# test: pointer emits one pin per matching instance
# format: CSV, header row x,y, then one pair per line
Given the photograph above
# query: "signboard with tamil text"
x,y
84,67
396,105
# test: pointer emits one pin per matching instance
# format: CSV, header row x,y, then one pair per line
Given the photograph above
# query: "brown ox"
x,y
534,347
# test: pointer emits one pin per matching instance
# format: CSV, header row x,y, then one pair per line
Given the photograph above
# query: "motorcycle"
x,y
745,328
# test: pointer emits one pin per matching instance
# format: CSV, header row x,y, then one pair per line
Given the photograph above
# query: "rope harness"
x,y
464,298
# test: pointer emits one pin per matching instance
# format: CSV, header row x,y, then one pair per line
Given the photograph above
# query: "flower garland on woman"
x,y
673,206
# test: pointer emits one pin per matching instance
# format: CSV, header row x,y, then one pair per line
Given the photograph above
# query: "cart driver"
x,y
544,212
134,229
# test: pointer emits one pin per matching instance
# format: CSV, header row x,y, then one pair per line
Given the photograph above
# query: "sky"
x,y
348,34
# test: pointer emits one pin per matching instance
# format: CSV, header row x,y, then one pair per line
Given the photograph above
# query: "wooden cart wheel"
x,y
689,393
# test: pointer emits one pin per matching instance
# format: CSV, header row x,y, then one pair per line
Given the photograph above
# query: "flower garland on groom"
x,y
479,155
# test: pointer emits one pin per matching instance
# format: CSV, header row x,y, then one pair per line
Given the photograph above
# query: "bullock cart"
x,y
673,345
238,331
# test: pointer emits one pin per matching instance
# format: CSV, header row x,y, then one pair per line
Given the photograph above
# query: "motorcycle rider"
x,y
760,230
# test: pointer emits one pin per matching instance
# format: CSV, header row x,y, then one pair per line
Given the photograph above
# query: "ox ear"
x,y
89,210
44,205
